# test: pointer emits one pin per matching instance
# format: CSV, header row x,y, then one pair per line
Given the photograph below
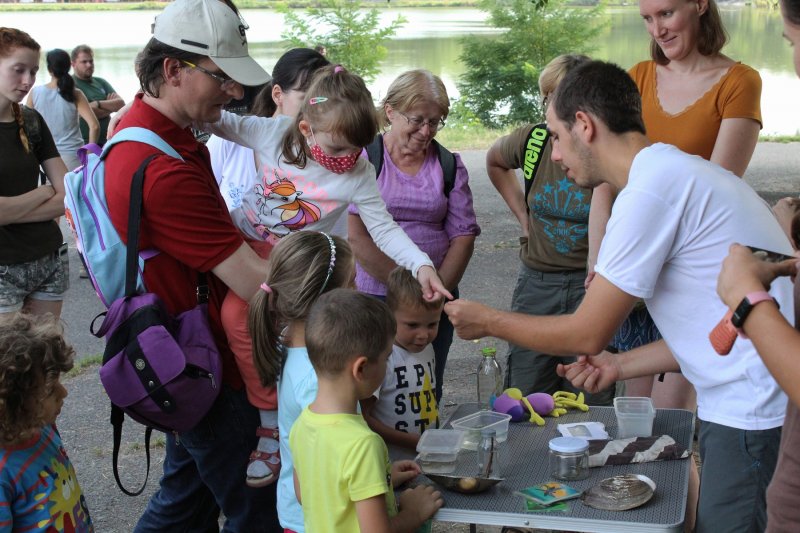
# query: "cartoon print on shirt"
x,y
563,209
66,506
278,209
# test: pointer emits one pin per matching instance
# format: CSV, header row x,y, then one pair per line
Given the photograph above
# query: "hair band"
x,y
332,261
266,288
317,100
337,69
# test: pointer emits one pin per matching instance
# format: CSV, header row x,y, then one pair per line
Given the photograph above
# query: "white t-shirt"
x,y
234,167
406,398
285,198
670,229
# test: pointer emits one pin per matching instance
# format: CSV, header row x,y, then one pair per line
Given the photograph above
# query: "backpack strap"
x,y
117,418
375,154
447,160
535,142
142,135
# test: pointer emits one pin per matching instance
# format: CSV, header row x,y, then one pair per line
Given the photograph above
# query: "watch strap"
x,y
746,306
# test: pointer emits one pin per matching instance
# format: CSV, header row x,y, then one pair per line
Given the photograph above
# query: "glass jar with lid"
x,y
569,458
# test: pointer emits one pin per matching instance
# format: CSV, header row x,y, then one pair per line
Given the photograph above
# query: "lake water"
x,y
430,39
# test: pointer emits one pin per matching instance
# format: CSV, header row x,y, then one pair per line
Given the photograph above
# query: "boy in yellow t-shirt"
x,y
343,477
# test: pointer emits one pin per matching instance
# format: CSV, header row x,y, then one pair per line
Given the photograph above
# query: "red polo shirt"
x,y
183,216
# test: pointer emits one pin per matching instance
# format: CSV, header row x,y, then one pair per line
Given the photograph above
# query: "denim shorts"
x,y
46,279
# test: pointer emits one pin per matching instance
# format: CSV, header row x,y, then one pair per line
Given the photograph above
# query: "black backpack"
x,y
446,159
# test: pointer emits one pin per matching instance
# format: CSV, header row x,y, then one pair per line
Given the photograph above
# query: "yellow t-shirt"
x,y
338,461
694,130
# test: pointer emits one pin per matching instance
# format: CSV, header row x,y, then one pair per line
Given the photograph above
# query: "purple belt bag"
x,y
163,371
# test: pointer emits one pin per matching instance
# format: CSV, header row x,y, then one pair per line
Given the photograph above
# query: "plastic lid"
x,y
489,352
569,445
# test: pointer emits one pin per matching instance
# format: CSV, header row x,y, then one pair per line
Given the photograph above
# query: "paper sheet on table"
x,y
584,430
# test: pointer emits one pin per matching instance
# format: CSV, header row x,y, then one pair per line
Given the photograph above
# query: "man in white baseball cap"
x,y
196,62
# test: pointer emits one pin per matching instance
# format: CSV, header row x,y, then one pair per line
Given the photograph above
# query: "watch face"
x,y
737,319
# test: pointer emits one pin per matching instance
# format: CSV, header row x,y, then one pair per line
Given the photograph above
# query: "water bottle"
x,y
490,379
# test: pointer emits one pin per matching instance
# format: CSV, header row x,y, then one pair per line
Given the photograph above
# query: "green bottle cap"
x,y
489,352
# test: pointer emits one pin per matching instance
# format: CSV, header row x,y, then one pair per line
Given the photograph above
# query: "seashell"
x,y
467,484
619,493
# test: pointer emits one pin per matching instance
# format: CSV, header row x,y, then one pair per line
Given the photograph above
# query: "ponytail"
x,y
302,266
23,135
265,332
58,65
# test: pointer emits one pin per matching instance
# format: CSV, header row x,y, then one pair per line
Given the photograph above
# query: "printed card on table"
x,y
548,493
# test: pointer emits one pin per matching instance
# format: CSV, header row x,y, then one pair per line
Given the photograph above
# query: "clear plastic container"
x,y
569,458
438,450
634,416
472,425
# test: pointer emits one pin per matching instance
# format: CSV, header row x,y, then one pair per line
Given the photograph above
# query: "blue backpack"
x,y
87,215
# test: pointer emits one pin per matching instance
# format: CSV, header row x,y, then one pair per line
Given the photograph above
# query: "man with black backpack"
x,y
553,214
196,62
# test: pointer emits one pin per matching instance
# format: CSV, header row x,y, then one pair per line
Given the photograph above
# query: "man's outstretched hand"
x,y
592,373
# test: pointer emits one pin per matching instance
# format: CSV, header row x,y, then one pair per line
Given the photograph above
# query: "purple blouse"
x,y
419,206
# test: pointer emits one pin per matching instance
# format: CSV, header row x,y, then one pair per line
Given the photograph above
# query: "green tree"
x,y
352,36
500,86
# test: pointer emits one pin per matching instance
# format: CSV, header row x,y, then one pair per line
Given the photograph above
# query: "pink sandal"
x,y
267,458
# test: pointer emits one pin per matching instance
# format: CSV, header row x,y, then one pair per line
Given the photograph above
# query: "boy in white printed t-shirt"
x,y
405,404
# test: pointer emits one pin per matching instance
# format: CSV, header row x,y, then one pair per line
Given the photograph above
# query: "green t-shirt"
x,y
94,89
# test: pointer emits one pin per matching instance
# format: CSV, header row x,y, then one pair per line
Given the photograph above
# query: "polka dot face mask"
x,y
336,164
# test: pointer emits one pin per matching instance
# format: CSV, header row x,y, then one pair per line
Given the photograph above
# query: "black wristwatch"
x,y
746,305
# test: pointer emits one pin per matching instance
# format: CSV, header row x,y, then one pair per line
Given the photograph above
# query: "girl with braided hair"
x,y
33,264
60,103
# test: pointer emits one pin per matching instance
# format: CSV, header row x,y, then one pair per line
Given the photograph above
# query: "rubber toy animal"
x,y
508,405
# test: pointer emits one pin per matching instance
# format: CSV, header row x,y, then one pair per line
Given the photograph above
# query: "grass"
x,y
780,138
81,365
469,138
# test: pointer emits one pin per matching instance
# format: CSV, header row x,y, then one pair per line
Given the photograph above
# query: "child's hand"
x,y
432,286
403,471
422,500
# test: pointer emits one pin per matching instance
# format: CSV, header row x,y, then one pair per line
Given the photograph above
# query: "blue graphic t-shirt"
x,y
39,491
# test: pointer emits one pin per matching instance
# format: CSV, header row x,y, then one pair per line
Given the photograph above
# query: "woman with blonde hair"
x,y
426,190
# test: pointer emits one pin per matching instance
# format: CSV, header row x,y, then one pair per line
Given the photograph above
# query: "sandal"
x,y
274,468
272,460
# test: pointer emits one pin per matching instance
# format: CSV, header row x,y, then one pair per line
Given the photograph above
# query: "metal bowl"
x,y
620,493
466,484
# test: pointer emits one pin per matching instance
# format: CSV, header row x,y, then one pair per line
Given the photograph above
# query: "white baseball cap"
x,y
210,28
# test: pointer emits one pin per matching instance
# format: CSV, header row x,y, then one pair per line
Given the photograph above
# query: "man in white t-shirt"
x,y
671,226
